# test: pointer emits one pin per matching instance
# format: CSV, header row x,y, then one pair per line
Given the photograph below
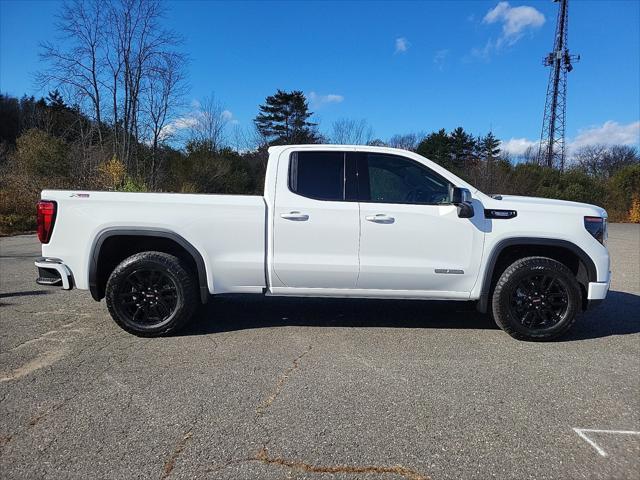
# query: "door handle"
x,y
295,216
380,218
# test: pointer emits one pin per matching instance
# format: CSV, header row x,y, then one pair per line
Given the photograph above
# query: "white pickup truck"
x,y
334,221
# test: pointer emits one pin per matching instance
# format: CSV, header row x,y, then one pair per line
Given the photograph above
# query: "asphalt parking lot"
x,y
319,389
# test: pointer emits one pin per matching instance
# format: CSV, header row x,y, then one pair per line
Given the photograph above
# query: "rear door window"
x,y
318,175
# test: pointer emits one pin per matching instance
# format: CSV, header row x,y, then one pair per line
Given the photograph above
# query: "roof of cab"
x,y
320,146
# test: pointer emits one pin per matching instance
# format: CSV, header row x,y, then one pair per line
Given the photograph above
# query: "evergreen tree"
x,y
284,119
489,147
489,151
436,147
55,100
463,146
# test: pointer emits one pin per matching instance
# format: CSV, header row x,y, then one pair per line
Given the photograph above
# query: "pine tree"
x,y
436,147
284,119
462,148
489,151
55,100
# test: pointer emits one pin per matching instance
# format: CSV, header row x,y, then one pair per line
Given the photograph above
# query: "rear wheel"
x,y
151,294
536,298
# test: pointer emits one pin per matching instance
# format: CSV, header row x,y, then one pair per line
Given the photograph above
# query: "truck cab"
x,y
378,223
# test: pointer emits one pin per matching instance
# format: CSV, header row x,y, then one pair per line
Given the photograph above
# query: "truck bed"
x,y
227,230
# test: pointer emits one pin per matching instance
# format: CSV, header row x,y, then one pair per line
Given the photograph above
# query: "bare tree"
x,y
110,53
605,160
162,97
347,131
141,42
247,138
210,122
407,141
530,155
75,61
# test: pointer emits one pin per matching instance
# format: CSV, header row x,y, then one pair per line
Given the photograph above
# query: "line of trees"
x,y
116,119
43,144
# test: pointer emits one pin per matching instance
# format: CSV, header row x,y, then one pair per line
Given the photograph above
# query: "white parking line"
x,y
581,434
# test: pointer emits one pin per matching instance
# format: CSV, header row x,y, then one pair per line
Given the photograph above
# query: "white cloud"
x,y
609,133
517,146
175,126
515,21
402,45
190,120
318,100
227,115
440,58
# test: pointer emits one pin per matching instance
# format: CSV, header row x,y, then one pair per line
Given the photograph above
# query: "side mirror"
x,y
460,195
461,198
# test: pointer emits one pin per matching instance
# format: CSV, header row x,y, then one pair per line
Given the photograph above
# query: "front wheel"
x,y
151,294
536,298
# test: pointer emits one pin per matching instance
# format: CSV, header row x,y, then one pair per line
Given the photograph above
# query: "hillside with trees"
x,y
117,91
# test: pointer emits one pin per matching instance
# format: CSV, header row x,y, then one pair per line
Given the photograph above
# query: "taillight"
x,y
597,227
46,218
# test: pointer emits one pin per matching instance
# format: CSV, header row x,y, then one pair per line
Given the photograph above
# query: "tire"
x,y
536,298
151,294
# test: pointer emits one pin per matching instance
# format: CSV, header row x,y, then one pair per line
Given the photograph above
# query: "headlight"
x,y
597,227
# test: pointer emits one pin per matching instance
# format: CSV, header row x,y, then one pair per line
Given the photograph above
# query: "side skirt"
x,y
361,293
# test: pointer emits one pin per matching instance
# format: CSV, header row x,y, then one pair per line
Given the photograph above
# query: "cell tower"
x,y
552,147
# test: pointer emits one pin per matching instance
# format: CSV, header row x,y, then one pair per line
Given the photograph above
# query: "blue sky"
x,y
402,66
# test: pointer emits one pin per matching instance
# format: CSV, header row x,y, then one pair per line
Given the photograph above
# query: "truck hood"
x,y
544,203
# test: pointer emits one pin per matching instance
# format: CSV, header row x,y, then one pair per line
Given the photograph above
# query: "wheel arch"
x,y
508,250
137,238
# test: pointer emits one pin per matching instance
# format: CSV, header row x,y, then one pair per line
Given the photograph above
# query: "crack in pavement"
x,y
262,455
265,404
170,462
260,409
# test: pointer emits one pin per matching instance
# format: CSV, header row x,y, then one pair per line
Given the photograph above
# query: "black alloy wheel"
x,y
540,301
151,294
147,297
536,298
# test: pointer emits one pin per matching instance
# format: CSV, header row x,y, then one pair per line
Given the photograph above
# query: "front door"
x,y
316,224
411,236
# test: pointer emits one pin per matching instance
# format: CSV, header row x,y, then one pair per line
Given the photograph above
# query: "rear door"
x,y
316,221
411,236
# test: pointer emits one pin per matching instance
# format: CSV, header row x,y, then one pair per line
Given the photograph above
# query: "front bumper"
x,y
53,272
597,292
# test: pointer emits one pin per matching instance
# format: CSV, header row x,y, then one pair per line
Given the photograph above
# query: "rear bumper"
x,y
53,272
